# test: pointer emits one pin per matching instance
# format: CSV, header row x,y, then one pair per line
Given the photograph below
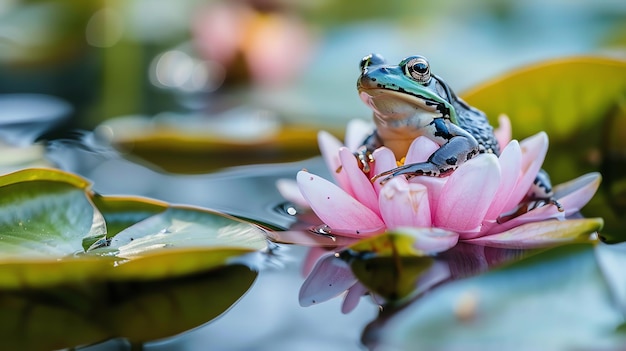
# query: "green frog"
x,y
409,101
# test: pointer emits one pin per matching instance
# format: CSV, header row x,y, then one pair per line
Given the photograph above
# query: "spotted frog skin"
x,y
408,101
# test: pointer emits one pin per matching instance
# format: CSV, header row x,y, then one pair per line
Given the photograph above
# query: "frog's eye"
x,y
371,60
418,69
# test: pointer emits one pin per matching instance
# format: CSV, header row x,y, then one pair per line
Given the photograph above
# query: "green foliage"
x,y
65,280
581,103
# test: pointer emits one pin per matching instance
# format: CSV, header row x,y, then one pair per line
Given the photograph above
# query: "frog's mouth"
x,y
396,108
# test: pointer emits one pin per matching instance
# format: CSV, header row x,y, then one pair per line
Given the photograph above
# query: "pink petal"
x,y
353,297
384,160
434,186
356,133
542,234
503,132
572,195
330,277
510,163
403,204
430,240
336,208
534,151
329,148
361,186
467,195
289,190
420,150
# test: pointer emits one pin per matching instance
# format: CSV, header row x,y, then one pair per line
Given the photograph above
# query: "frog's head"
x,y
407,91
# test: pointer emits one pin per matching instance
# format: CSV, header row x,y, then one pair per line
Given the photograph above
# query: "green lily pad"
x,y
581,103
163,270
555,300
121,212
45,214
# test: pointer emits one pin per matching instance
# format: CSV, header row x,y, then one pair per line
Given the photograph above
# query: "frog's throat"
x,y
372,98
397,109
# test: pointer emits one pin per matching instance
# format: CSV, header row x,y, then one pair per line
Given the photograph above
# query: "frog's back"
x,y
476,123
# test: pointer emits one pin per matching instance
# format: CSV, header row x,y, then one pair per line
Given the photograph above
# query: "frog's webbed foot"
x,y
539,194
409,171
529,205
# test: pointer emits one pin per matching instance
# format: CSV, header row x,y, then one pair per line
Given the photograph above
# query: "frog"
x,y
409,101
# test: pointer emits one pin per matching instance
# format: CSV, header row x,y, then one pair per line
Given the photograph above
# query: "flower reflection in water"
x,y
398,279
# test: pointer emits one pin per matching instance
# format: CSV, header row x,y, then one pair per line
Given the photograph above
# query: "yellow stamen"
x,y
401,162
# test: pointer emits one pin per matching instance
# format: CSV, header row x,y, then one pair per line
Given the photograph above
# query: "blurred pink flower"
x,y
275,46
468,202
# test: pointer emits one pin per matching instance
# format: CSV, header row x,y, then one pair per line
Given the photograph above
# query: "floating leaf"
x,y
508,308
559,96
167,269
580,102
45,214
122,212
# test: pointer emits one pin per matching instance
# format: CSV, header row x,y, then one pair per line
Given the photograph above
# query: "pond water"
x,y
269,316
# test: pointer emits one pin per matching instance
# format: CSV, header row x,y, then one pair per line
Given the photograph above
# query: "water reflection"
x,y
393,280
69,315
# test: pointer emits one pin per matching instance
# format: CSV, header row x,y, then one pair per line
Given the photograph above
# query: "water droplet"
x,y
322,229
287,208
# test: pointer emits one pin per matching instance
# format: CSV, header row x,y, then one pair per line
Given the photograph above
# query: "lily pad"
x,y
559,96
580,103
46,215
165,269
507,308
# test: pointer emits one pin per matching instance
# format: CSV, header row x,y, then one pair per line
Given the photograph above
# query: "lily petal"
x,y
384,160
357,131
420,150
329,148
503,132
359,182
337,208
542,234
403,204
510,164
434,186
330,277
467,195
534,151
288,189
430,240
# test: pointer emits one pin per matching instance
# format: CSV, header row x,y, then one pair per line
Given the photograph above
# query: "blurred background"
x,y
191,86
195,75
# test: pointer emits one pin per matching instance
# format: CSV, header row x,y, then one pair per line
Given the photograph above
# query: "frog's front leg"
x,y
364,153
457,147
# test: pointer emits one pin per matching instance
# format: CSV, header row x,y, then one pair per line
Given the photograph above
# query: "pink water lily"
x,y
470,202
